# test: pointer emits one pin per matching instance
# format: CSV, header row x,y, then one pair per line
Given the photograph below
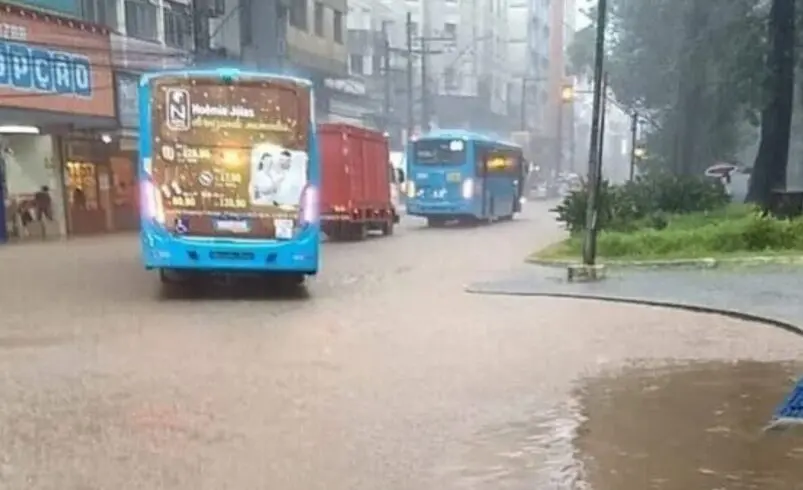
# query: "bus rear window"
x,y
440,152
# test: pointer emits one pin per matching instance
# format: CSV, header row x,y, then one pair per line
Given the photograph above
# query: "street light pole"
x,y
524,103
633,142
410,94
590,242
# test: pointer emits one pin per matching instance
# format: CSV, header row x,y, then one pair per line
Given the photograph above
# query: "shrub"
x,y
747,233
649,199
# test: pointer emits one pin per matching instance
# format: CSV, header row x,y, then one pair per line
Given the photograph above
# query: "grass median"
x,y
736,231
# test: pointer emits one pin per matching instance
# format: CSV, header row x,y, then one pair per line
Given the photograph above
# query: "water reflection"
x,y
536,452
692,427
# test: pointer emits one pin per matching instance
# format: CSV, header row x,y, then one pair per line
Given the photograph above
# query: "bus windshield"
x,y
236,149
439,152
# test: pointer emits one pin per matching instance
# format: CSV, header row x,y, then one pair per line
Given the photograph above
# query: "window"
x,y
178,25
357,65
102,12
140,19
338,27
319,15
450,30
439,152
502,162
246,22
377,62
450,78
298,15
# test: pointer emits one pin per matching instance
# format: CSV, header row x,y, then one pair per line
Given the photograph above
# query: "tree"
x,y
695,65
769,170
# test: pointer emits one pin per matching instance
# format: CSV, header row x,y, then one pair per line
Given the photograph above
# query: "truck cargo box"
x,y
355,171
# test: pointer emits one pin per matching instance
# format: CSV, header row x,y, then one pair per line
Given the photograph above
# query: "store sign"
x,y
127,103
65,6
23,67
54,64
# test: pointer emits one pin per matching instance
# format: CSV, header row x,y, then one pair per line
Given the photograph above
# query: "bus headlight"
x,y
411,189
468,189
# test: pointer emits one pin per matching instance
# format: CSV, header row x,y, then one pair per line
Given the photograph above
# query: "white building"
x,y
469,44
528,52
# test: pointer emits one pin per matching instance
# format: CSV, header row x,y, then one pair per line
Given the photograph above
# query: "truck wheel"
x,y
387,228
358,231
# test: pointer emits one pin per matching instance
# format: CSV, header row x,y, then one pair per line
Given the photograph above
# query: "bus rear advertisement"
x,y
229,174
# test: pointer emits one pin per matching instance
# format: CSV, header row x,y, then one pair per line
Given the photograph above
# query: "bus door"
x,y
481,170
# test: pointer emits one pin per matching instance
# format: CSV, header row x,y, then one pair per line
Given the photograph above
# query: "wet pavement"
x,y
694,426
771,292
387,375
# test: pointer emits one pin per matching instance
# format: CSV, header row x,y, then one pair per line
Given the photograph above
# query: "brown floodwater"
x,y
690,427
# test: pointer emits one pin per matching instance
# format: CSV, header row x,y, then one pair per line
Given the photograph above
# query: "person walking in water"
x,y
43,208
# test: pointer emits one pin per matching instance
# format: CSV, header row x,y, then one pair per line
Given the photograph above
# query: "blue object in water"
x,y
790,412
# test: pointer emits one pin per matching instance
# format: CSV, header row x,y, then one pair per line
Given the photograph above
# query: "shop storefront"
x,y
55,84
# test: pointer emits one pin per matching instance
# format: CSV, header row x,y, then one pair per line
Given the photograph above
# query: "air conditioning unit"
x,y
212,8
217,8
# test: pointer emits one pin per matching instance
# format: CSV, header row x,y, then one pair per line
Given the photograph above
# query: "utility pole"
x,y
524,103
559,141
201,37
594,153
410,94
387,78
602,115
633,143
424,87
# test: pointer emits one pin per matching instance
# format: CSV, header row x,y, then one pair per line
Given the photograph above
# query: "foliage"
x,y
647,198
696,66
730,231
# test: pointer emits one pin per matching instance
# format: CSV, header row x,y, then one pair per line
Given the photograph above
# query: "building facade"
x,y
306,38
528,52
464,52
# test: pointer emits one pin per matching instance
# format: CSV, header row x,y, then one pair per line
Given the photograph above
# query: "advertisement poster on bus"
x,y
230,159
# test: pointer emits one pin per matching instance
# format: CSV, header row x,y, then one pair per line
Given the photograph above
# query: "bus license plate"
x,y
454,177
284,228
233,226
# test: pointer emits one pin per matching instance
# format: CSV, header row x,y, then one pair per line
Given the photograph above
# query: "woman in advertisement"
x,y
278,176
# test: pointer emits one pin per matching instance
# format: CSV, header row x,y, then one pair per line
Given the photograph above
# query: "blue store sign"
x,y
127,103
42,70
65,6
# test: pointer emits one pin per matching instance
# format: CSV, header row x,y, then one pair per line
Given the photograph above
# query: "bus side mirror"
x,y
400,178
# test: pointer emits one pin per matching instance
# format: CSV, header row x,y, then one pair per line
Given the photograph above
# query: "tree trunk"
x,y
769,170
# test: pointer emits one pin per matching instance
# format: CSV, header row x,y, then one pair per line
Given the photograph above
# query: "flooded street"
x,y
693,426
387,376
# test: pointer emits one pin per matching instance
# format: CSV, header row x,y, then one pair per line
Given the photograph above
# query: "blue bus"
x,y
464,176
229,175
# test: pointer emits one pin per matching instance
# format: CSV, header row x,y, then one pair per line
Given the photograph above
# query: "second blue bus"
x,y
229,175
458,175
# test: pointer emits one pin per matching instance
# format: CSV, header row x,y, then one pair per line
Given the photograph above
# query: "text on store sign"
x,y
38,69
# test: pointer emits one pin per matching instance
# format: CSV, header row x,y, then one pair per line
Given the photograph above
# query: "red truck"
x,y
356,181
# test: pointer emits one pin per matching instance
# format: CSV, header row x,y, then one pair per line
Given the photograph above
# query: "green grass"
x,y
734,231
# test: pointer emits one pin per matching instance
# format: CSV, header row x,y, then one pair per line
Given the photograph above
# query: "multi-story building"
x,y
528,53
80,129
465,59
302,37
69,108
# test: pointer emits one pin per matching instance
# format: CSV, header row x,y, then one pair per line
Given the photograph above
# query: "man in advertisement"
x,y
277,175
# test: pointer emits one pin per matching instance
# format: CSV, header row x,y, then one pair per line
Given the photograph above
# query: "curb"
x,y
699,263
739,315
